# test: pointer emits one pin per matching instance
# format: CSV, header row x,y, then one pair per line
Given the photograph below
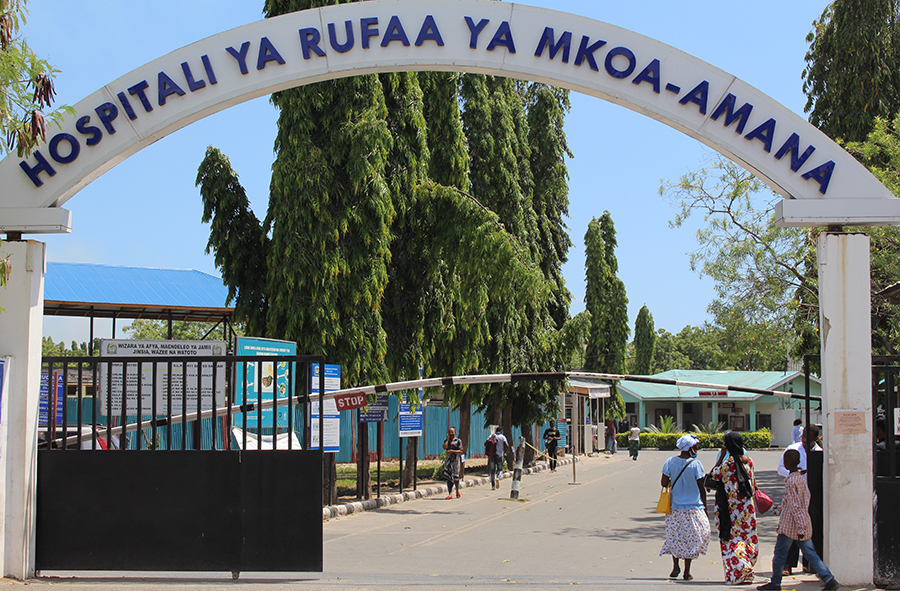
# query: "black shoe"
x,y
832,585
687,577
770,586
675,572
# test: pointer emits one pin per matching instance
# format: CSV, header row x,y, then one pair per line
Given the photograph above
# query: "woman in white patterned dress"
x,y
687,525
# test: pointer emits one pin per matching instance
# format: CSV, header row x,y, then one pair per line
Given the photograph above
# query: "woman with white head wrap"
x,y
687,525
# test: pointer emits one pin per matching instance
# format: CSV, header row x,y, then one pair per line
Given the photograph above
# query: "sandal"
x,y
449,497
457,494
786,572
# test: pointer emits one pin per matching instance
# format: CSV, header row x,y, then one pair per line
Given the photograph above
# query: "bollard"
x,y
517,472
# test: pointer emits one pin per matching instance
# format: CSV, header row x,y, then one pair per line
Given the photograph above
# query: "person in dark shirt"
x,y
551,442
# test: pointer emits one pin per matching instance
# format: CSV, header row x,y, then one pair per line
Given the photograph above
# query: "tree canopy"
x,y
26,85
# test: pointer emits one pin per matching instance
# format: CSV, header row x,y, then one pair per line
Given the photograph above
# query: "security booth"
x,y
583,409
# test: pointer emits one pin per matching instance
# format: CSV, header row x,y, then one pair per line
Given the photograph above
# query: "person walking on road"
x,y
795,526
611,446
807,440
735,511
687,525
495,462
452,465
551,442
634,441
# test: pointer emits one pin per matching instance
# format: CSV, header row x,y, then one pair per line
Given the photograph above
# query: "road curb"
x,y
332,511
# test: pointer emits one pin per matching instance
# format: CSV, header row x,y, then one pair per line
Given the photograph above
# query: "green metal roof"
x,y
765,380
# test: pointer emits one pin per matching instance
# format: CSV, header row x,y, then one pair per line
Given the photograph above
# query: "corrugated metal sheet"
x,y
103,284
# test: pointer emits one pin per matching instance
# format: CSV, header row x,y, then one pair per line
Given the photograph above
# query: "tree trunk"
x,y
497,417
528,431
363,477
465,421
507,430
409,468
329,479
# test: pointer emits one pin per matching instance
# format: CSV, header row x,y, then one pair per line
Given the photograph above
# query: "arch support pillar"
x,y
845,330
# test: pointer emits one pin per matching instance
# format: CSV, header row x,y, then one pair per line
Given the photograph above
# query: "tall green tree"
x,y
644,342
605,299
239,241
853,67
26,85
547,108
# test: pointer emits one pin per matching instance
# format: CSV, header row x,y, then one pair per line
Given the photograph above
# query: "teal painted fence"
x,y
436,422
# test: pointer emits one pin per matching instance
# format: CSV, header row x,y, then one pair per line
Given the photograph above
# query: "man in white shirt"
x,y
810,432
797,431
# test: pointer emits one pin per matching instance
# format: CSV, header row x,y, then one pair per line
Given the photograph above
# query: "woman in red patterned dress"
x,y
735,511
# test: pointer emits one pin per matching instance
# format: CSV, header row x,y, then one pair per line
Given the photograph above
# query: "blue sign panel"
x,y
264,380
376,412
44,401
412,422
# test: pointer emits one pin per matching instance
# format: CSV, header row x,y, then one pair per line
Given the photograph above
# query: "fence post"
x,y
517,471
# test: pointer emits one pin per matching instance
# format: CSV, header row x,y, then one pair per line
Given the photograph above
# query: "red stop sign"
x,y
350,401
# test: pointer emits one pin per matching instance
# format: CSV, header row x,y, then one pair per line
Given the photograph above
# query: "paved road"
x,y
601,533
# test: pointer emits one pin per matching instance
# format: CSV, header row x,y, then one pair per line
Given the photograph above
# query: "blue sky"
x,y
146,211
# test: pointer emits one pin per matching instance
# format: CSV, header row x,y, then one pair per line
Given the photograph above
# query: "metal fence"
x,y
176,403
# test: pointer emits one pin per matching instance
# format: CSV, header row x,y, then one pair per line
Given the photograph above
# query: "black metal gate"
x,y
885,380
176,492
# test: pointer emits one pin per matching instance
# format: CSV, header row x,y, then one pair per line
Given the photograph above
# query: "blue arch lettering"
x,y
240,56
267,53
84,129
368,32
41,166
395,32
727,107
503,37
547,39
166,88
429,32
649,74
138,90
793,146
74,148
126,104
189,78
699,96
627,54
475,30
764,133
822,175
332,37
107,112
309,40
586,52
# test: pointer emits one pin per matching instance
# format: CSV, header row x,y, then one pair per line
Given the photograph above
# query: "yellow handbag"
x,y
665,501
665,497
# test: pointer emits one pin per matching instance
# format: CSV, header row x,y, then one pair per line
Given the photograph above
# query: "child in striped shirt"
x,y
794,524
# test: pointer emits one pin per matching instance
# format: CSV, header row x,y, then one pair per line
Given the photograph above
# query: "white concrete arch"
x,y
506,39
821,183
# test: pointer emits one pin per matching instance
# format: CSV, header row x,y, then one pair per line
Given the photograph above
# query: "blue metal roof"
x,y
105,286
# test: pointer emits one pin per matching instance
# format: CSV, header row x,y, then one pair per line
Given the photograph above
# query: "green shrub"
x,y
761,439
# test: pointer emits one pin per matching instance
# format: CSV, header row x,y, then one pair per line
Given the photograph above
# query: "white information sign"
x,y
186,374
332,418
